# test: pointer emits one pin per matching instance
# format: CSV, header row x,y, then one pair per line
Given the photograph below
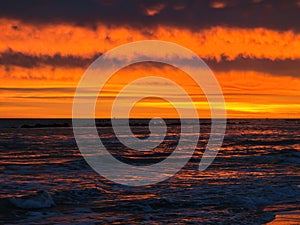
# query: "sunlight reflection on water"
x,y
254,177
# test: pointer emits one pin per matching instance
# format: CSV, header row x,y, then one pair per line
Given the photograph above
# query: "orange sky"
x,y
46,90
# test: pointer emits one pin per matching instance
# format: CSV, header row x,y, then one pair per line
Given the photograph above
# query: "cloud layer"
x,y
253,47
191,14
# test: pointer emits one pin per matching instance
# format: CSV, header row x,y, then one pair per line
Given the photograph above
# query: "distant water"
x,y
255,177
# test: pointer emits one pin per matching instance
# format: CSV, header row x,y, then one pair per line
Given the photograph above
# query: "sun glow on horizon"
x,y
43,85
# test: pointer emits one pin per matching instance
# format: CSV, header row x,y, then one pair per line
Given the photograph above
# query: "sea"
x,y
255,178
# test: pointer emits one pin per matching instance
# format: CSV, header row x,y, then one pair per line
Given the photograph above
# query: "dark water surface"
x,y
255,177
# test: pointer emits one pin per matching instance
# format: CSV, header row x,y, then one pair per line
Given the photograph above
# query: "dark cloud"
x,y
274,14
11,58
287,67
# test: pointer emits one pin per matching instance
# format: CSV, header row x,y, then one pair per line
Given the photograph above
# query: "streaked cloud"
x,y
246,93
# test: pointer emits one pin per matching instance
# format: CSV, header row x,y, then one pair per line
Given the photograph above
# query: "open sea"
x,y
255,178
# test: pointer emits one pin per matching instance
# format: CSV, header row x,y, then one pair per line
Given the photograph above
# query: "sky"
x,y
252,47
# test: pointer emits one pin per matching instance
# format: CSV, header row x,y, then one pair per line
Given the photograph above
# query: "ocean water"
x,y
255,178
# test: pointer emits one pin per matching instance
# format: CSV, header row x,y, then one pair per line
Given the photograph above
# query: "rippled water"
x,y
255,177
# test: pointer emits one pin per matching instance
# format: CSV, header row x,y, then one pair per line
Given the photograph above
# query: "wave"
x,y
38,201
43,199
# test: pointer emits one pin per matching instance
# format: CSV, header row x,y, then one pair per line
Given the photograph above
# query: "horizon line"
x,y
144,118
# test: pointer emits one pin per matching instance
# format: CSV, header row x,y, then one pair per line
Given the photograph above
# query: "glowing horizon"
x,y
41,65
